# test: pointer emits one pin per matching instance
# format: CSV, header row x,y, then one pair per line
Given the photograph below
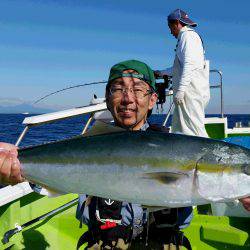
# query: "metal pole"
x,y
88,122
22,135
221,96
17,229
168,114
221,91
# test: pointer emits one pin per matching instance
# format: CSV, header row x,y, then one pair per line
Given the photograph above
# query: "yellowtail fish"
x,y
144,167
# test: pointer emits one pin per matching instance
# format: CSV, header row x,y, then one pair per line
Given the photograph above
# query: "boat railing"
x,y
214,86
60,115
220,86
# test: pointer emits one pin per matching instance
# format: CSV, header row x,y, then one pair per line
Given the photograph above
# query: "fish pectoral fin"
x,y
164,177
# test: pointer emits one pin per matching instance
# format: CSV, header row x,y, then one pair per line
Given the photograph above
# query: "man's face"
x,y
128,109
175,28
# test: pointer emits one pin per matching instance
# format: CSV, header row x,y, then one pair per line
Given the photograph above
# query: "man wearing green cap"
x,y
130,97
130,93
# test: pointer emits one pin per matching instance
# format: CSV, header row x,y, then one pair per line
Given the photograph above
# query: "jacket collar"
x,y
184,29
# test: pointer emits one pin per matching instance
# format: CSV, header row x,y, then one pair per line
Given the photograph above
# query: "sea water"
x,y
11,127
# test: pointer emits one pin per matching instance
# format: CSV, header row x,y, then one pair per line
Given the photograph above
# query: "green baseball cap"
x,y
145,73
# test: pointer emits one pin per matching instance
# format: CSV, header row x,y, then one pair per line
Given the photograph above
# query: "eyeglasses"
x,y
137,91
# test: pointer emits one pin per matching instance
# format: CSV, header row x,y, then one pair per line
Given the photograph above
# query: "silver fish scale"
x,y
150,168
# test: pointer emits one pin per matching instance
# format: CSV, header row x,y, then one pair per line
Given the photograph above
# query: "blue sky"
x,y
47,45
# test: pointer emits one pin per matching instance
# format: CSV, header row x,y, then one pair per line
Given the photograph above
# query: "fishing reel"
x,y
164,83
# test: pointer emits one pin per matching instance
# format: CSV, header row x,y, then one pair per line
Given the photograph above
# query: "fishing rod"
x,y
18,228
71,87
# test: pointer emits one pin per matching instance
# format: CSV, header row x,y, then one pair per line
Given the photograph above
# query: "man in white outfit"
x,y
190,77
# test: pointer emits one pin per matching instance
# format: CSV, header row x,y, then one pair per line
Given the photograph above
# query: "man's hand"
x,y
246,203
179,97
10,171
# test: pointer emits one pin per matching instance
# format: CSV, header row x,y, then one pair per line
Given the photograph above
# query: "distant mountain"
x,y
12,105
23,108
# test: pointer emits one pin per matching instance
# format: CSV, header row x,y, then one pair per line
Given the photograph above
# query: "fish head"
x,y
225,156
223,173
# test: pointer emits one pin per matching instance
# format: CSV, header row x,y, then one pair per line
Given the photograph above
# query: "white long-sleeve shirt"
x,y
190,53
